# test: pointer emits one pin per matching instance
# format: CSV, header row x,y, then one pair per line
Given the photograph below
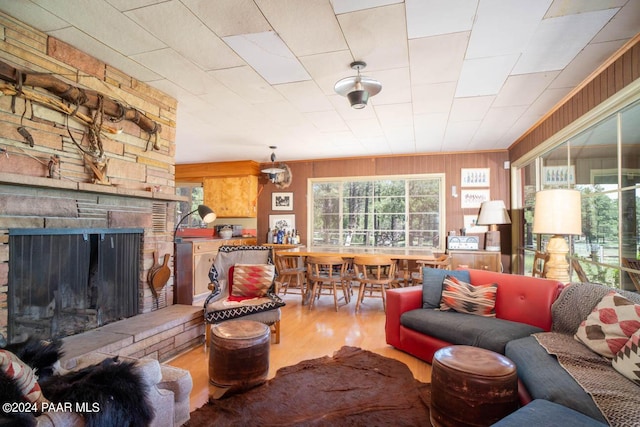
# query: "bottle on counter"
x,y
269,236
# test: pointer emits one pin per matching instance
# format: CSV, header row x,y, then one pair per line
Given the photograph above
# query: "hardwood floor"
x,y
310,334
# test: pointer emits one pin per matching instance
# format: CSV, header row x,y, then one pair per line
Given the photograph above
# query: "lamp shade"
x,y
557,211
206,213
493,212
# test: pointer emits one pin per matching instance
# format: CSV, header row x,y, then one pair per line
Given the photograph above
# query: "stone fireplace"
x,y
67,281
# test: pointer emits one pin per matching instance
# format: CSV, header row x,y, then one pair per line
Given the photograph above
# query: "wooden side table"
x,y
479,260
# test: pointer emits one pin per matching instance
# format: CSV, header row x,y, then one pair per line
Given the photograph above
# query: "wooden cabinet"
x,y
193,261
232,197
480,260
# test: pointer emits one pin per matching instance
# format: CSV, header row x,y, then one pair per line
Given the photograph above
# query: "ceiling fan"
x,y
279,175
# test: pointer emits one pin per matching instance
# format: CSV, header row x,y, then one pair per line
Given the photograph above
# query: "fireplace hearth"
x,y
66,281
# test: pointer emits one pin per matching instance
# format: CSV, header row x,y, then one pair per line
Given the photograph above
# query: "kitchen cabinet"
x,y
480,260
232,197
193,262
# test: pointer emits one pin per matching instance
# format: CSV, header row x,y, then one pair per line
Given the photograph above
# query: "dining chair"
x,y
291,274
373,274
326,273
539,261
443,262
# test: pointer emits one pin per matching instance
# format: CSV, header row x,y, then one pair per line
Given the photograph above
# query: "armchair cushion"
x,y
250,281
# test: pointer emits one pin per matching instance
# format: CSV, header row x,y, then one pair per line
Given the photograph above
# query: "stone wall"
x,y
51,184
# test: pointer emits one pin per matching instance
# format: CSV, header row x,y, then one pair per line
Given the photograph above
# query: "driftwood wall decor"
x,y
69,99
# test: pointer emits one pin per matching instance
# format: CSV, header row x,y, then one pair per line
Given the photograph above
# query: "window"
x,y
397,211
195,194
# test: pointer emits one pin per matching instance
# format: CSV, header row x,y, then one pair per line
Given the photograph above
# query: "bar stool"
x,y
443,262
290,273
326,272
374,274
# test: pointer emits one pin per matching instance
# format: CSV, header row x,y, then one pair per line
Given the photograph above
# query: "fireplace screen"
x,y
66,281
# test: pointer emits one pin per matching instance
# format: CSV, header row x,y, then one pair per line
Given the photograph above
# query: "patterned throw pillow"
x,y
23,375
466,298
610,324
627,360
251,281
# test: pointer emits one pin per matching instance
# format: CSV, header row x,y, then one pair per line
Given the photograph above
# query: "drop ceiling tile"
x,y
167,21
83,42
124,5
229,17
504,27
327,68
104,22
395,115
365,128
429,130
344,6
561,8
377,36
474,108
503,117
484,76
281,113
458,135
248,84
435,17
327,121
269,56
170,65
623,25
583,65
547,100
558,40
433,98
306,96
437,59
290,19
524,89
396,86
34,15
401,139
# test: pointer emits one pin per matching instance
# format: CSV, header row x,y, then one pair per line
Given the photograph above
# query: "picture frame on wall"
x,y
282,201
558,175
473,198
475,177
282,222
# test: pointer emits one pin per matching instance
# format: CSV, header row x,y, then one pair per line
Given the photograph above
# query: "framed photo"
x,y
282,222
558,175
478,177
470,224
282,201
473,198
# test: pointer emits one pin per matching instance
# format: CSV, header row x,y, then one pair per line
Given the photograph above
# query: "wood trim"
x,y
196,172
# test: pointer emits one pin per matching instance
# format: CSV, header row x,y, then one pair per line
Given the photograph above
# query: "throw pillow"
x,y
23,376
466,298
610,324
627,360
432,279
251,281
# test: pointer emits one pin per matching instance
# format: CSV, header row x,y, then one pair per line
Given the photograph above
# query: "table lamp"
x,y
206,213
557,212
492,213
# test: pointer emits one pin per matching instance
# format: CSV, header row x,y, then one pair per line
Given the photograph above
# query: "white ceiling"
x,y
456,75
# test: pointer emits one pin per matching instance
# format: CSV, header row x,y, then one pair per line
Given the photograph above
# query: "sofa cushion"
x,y
545,378
541,412
464,297
432,279
464,329
627,359
609,325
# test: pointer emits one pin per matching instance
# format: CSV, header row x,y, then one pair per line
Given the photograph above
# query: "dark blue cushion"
x,y
466,329
545,378
432,284
544,413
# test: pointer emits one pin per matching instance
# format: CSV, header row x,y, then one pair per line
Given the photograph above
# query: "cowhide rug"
x,y
354,387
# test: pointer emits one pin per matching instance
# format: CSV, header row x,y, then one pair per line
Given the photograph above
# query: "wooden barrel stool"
x,y
471,386
238,355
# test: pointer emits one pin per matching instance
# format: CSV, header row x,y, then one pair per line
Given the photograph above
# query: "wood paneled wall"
x,y
447,163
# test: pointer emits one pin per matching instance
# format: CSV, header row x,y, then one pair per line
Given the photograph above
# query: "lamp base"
x,y
557,267
492,241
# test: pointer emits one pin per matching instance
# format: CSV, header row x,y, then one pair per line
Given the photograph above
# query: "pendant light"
x,y
273,171
358,88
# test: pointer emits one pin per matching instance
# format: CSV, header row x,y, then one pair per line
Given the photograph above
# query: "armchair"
x,y
262,307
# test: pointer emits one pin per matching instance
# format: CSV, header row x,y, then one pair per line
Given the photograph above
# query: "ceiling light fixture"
x,y
358,88
273,171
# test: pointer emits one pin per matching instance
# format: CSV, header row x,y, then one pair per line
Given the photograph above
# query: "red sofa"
x,y
519,298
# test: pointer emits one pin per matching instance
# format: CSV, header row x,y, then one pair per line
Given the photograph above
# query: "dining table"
x,y
401,255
